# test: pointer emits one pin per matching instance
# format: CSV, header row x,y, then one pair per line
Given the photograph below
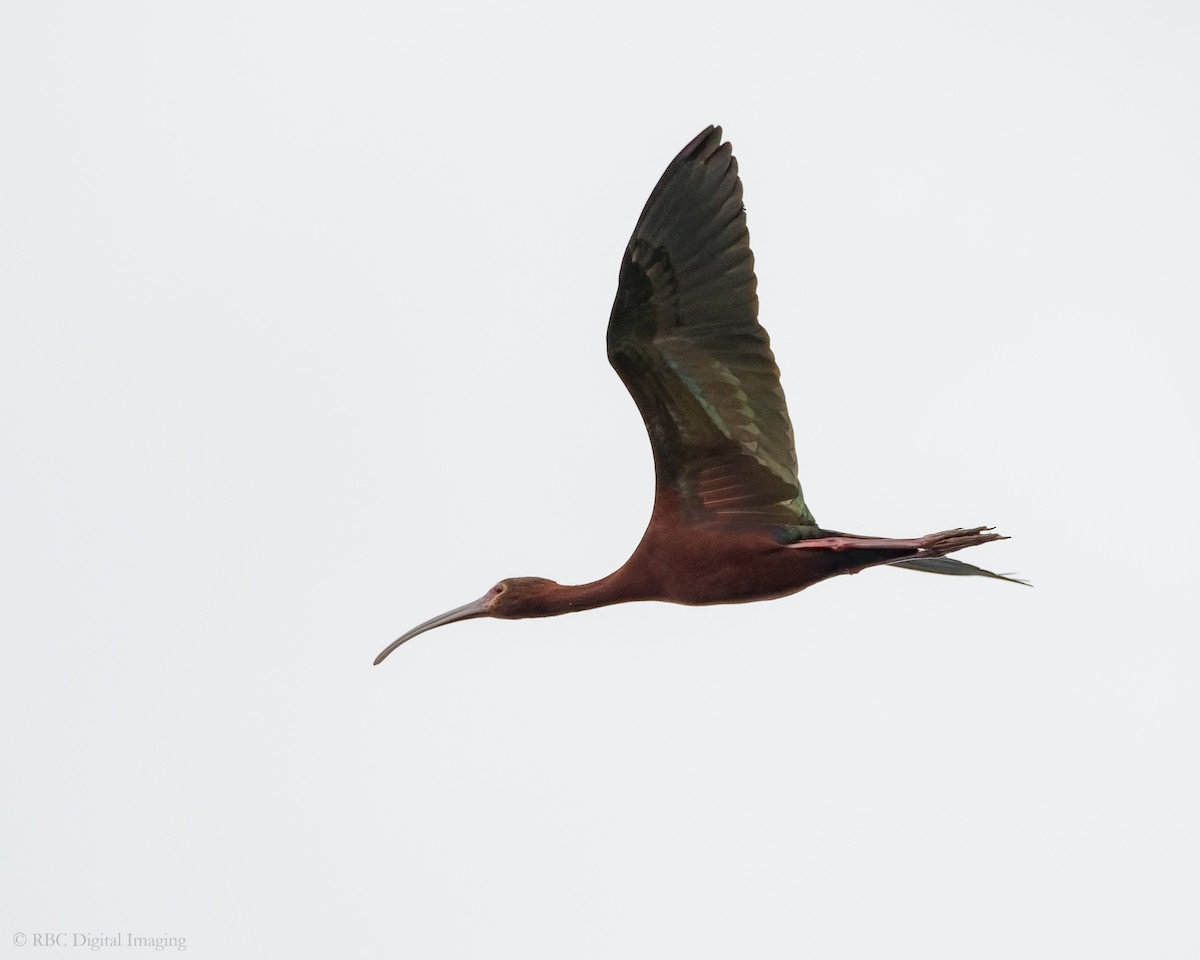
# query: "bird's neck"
x,y
568,598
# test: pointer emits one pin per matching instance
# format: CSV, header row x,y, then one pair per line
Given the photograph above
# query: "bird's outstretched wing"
x,y
684,337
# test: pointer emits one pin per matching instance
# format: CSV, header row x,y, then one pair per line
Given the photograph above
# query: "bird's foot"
x,y
933,545
940,544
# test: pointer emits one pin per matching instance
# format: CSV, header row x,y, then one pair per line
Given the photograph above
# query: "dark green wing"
x,y
684,337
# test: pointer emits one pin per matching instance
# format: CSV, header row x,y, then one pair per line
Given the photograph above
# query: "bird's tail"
x,y
950,567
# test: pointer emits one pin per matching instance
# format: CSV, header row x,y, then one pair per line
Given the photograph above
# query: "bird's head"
x,y
513,599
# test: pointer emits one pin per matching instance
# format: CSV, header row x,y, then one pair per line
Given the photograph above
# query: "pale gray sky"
x,y
303,319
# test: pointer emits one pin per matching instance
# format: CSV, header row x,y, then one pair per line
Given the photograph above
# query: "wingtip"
x,y
709,138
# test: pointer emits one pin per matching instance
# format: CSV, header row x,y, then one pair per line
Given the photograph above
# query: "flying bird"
x,y
729,523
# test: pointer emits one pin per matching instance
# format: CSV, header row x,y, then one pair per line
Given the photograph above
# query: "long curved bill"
x,y
468,611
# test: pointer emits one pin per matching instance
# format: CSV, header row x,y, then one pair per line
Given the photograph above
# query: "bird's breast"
x,y
697,566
